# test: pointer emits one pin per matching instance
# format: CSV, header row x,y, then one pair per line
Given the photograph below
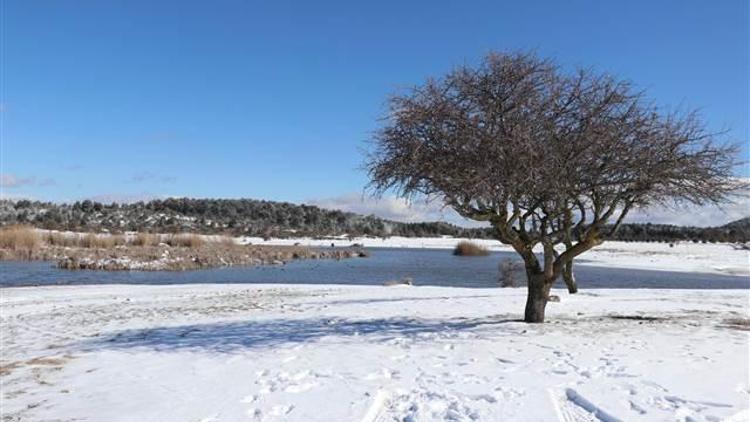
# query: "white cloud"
x,y
394,208
8,180
398,209
147,176
705,216
122,198
13,181
15,196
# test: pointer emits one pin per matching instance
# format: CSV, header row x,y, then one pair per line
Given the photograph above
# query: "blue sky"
x,y
275,100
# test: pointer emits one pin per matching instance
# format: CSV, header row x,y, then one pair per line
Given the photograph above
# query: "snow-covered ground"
x,y
370,353
711,258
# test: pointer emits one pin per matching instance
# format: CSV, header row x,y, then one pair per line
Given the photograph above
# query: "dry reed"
x,y
465,248
185,240
20,238
146,239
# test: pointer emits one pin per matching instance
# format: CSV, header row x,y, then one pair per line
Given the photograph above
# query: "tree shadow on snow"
x,y
247,335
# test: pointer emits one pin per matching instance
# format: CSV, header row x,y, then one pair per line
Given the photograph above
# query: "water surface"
x,y
436,267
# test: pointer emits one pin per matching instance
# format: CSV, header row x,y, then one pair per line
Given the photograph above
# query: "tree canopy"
x,y
547,157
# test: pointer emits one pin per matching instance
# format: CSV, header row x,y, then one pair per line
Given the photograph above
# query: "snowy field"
x,y
333,353
710,258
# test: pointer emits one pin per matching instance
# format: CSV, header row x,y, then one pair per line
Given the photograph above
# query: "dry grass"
x,y
61,239
465,248
92,240
144,251
186,240
25,242
146,239
225,241
26,238
211,254
88,240
20,238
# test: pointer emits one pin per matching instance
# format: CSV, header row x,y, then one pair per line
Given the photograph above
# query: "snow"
x,y
709,258
370,353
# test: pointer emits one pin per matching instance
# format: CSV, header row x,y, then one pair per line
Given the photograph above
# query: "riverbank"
x,y
150,252
160,258
143,251
168,258
271,352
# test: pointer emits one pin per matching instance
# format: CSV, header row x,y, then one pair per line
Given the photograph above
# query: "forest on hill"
x,y
251,217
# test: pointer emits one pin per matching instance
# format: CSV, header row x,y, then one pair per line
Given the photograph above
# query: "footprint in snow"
x,y
653,385
384,373
508,392
484,397
300,388
250,399
284,381
281,410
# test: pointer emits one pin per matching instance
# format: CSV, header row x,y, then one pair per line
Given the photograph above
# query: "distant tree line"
x,y
210,216
737,231
281,219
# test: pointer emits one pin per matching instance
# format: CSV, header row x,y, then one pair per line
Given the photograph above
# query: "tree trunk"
x,y
569,278
538,294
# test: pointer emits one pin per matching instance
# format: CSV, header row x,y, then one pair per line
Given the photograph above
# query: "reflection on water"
x,y
437,267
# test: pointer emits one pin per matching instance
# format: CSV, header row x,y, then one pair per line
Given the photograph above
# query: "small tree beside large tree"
x,y
552,160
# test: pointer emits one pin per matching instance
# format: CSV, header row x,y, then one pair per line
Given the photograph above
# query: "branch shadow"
x,y
247,335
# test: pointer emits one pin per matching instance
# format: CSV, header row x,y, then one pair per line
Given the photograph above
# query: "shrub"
x,y
508,270
465,248
20,238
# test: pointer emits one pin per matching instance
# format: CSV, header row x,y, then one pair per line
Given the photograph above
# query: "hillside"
x,y
232,216
282,219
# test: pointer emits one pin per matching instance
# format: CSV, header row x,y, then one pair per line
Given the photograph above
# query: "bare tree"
x,y
550,159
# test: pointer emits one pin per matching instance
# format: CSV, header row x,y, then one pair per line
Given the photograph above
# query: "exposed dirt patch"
x,y
48,362
742,324
7,368
642,318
